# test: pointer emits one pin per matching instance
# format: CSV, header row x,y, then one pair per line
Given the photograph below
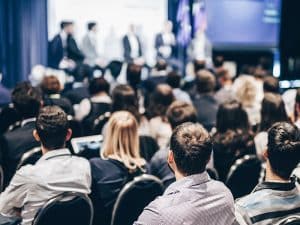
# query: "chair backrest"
x,y
291,220
244,175
67,208
213,173
30,157
134,197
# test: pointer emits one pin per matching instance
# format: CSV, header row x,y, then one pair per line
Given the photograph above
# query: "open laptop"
x,y
88,143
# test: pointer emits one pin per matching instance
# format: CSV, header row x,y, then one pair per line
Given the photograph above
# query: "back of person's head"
x,y
52,127
199,65
272,111
191,146
245,90
283,148
161,65
81,72
115,68
160,100
91,25
218,61
223,75
231,116
271,84
50,85
98,85
124,98
173,79
205,81
121,140
181,112
27,100
134,75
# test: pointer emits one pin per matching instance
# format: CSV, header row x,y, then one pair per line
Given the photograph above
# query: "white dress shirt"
x,y
134,45
32,186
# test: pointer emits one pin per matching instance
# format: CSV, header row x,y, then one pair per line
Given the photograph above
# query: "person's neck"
x,y
272,177
178,175
100,94
46,150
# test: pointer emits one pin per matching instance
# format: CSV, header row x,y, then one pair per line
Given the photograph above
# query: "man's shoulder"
x,y
254,199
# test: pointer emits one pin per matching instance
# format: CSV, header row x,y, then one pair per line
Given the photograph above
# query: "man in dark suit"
x,y
132,45
165,42
205,102
64,45
27,101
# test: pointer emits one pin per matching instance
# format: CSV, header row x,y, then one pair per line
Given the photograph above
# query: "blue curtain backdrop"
x,y
23,38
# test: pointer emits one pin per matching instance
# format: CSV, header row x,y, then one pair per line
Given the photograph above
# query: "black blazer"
x,y
108,178
73,51
13,145
127,48
55,52
76,95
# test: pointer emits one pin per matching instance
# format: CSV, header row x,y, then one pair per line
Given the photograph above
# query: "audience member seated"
x,y
113,72
225,93
245,90
99,103
174,80
272,111
51,89
205,102
55,173
5,96
233,138
79,90
27,101
178,113
124,98
158,75
119,162
297,109
194,198
159,102
271,84
277,197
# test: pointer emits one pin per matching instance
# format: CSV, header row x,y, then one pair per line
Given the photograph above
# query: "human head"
x,y
52,128
121,140
27,100
173,79
92,26
134,75
99,85
190,149
272,111
124,98
283,153
245,90
67,26
160,100
161,65
231,116
205,81
115,68
218,61
223,77
199,65
181,112
168,26
50,85
271,84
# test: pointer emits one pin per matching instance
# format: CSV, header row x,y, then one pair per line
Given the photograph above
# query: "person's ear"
x,y
266,154
36,135
69,134
170,158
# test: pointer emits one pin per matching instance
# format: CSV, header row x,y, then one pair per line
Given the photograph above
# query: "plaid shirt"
x,y
193,200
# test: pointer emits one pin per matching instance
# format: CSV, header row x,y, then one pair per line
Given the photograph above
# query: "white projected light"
x,y
113,18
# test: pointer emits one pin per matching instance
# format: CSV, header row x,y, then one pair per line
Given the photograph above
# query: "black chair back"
x,y
30,157
77,130
244,175
134,197
148,146
213,173
291,220
68,208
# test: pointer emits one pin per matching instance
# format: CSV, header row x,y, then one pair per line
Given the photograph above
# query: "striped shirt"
x,y
193,200
269,203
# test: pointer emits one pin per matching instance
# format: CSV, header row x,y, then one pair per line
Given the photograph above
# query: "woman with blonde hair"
x,y
119,162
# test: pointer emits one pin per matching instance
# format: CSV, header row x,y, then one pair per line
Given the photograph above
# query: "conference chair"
x,y
213,173
77,130
134,197
100,122
148,146
244,175
30,157
67,208
291,220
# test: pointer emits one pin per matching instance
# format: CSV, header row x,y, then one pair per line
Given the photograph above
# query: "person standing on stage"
x,y
165,41
132,45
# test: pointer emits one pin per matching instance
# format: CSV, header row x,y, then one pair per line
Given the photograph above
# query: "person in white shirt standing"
x,y
132,45
56,172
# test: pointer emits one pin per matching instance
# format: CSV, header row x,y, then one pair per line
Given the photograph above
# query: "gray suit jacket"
x,y
89,49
